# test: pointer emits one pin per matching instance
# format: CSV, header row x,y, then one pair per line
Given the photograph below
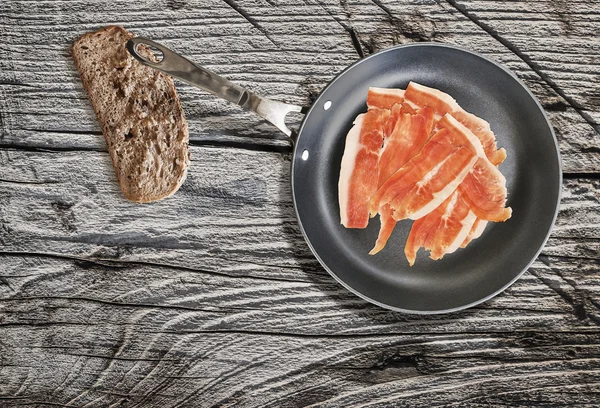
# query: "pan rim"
x,y
538,251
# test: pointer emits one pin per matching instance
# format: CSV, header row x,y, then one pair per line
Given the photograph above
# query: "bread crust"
x,y
139,111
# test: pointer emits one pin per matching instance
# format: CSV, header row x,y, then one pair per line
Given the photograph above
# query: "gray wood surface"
x,y
211,297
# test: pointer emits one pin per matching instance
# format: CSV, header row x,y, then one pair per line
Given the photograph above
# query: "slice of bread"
x,y
140,114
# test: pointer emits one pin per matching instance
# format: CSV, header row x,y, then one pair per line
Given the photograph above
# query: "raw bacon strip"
x,y
384,98
408,138
441,231
419,95
484,188
427,179
358,180
476,231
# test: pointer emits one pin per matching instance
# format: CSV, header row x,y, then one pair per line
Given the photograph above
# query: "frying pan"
x,y
462,279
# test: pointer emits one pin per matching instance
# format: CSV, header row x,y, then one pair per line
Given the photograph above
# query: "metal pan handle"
x,y
183,69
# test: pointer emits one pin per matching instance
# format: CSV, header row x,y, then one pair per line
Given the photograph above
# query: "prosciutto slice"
x,y
391,99
484,188
429,178
480,197
416,154
419,95
406,140
482,130
442,231
358,181
476,231
384,98
388,223
410,133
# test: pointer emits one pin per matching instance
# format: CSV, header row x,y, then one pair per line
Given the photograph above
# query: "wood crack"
x,y
575,299
30,182
572,175
405,29
51,149
259,147
42,324
86,263
356,43
15,83
66,131
349,29
533,65
215,144
579,303
437,334
36,402
118,358
119,304
386,10
585,258
251,20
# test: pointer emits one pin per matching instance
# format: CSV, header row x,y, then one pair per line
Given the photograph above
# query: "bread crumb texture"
x,y
140,114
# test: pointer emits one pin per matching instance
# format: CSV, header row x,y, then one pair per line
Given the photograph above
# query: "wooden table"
x,y
211,297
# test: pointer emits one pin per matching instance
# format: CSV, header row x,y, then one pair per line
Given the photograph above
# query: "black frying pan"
x,y
465,278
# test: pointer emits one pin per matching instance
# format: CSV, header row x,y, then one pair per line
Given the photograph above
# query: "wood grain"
x,y
170,336
231,202
212,297
45,106
90,273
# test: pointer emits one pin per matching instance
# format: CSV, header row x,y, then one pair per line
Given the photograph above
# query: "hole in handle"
x,y
147,51
157,54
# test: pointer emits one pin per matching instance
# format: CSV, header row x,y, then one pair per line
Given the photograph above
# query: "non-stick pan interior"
x,y
487,265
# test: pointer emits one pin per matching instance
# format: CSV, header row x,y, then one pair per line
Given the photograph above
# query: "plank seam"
x,y
574,175
123,264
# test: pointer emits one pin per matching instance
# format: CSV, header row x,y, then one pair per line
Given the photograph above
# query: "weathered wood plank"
x,y
212,298
536,29
246,198
43,103
341,372
233,202
281,371
51,206
557,294
78,333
